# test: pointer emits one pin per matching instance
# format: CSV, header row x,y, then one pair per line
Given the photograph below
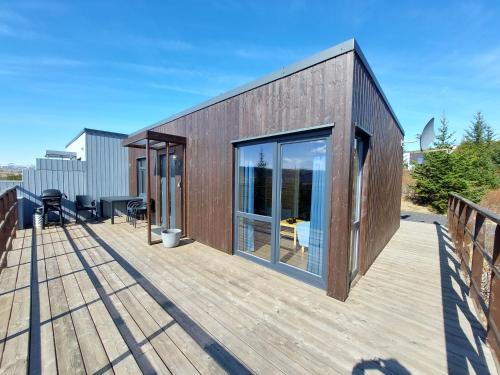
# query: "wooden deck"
x,y
98,300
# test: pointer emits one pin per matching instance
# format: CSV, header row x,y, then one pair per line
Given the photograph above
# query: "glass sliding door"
x,y
281,204
172,211
357,183
176,169
255,199
302,209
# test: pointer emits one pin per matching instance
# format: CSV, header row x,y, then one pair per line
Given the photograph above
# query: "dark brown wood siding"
x,y
382,190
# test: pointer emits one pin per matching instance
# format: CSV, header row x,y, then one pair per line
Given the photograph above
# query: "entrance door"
x,y
281,205
172,201
357,183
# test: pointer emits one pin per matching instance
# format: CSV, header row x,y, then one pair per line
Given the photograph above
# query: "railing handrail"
x,y
8,221
473,252
482,210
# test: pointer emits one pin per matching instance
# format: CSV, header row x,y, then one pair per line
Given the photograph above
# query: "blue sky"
x,y
122,65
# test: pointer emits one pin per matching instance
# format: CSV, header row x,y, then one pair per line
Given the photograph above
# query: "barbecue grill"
x,y
51,201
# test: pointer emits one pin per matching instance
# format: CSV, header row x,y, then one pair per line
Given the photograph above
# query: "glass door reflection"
x,y
255,200
302,205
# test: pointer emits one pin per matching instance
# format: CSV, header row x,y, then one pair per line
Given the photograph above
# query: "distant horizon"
x,y
65,67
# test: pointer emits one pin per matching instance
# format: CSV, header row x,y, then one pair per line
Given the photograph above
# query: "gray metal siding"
x,y
104,173
67,176
107,166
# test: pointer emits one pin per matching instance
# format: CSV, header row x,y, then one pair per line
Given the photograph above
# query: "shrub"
x,y
468,171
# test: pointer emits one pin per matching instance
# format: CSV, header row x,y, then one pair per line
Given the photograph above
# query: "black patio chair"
x,y
136,209
85,203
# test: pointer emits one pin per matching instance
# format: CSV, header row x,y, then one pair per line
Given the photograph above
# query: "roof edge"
x,y
330,53
362,57
95,131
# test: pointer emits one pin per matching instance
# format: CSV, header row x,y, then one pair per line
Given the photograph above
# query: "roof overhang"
x,y
156,140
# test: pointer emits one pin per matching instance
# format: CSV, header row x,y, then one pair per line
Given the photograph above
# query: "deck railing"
x,y
8,221
475,232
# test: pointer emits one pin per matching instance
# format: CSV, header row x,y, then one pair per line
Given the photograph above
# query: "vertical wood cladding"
x,y
382,190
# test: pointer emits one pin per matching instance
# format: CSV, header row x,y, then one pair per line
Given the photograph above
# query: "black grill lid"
x,y
51,193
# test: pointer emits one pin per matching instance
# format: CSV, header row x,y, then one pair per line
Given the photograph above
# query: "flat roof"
x,y
339,49
104,133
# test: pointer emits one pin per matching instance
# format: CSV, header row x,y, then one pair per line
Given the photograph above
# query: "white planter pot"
x,y
171,237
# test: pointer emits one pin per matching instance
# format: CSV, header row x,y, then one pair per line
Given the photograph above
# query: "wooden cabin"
x,y
299,170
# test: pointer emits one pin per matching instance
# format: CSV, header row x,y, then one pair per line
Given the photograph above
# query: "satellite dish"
x,y
427,136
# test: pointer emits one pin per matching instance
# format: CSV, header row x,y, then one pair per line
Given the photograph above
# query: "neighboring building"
x,y
107,161
101,170
299,170
411,158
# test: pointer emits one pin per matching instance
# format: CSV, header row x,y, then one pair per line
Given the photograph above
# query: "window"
x,y
141,177
281,204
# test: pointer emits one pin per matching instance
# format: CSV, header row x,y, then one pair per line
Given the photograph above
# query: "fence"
x,y
475,232
68,176
8,221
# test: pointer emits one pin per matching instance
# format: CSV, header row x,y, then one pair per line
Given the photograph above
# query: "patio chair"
x,y
85,203
135,209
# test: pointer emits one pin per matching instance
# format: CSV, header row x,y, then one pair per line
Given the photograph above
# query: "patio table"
x,y
117,199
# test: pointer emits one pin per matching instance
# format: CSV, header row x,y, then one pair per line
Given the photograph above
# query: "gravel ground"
x,y
423,218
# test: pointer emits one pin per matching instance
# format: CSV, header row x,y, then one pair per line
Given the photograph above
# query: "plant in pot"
x,y
171,237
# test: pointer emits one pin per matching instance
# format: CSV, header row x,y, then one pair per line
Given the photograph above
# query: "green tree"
x,y
444,138
495,150
465,171
479,131
470,170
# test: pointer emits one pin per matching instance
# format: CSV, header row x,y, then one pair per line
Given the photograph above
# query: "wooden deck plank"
x,y
16,349
142,350
48,362
203,362
166,349
118,353
8,278
69,357
89,341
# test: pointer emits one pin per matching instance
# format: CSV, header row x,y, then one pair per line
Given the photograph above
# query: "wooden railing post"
x,y
477,261
494,303
460,230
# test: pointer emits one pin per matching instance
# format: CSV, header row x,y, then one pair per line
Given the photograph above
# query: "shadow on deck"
x,y
101,300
